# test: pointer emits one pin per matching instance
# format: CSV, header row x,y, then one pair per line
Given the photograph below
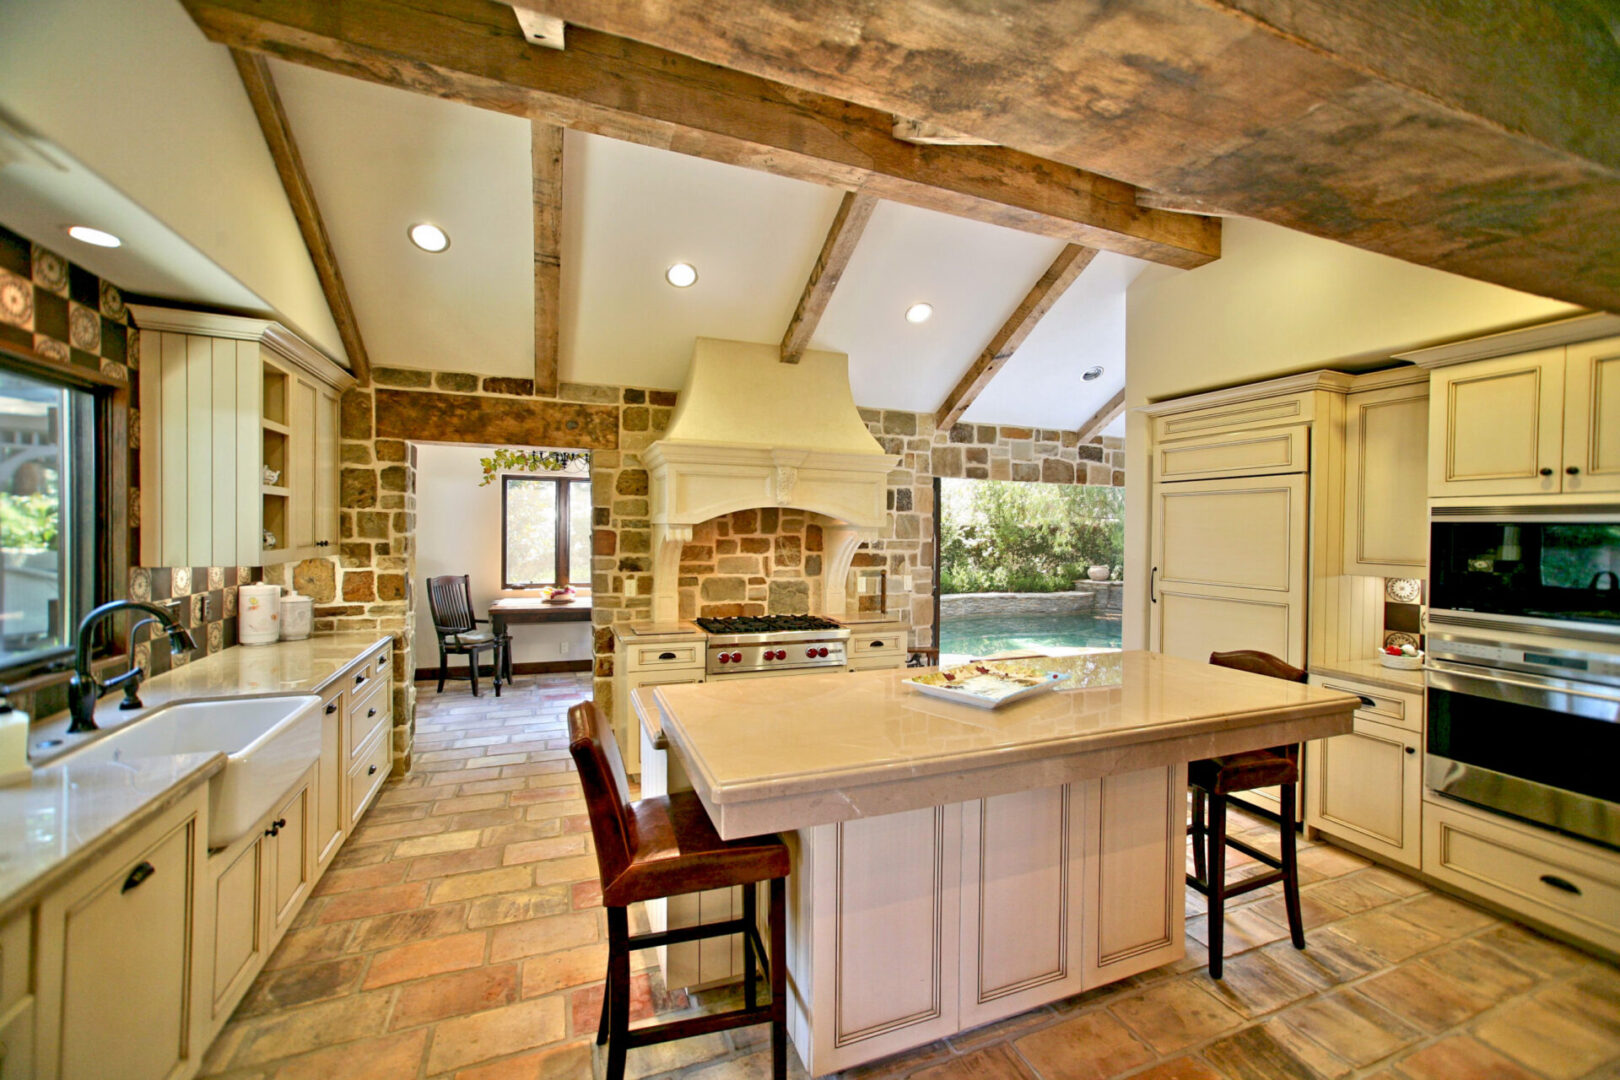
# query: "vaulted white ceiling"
x,y
381,159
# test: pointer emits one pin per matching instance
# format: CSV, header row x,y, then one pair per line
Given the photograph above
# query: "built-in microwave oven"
x,y
1550,570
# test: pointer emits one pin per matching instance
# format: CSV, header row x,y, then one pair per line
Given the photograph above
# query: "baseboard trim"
x,y
458,672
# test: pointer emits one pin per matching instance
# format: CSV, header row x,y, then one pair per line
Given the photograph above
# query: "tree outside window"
x,y
545,531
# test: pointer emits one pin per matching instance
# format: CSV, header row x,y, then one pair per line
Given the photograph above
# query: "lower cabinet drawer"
x,y
1560,882
669,655
17,1042
371,712
369,771
16,959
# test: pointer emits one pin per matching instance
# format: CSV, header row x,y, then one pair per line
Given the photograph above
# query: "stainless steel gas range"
x,y
773,645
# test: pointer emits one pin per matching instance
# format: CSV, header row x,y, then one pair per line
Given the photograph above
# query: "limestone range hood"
x,y
749,431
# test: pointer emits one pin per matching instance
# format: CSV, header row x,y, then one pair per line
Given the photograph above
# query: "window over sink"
x,y
545,531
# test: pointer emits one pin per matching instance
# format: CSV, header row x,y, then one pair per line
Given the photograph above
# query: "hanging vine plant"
x,y
505,460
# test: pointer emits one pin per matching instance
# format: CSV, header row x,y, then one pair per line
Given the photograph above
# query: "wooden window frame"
x,y
110,528
565,486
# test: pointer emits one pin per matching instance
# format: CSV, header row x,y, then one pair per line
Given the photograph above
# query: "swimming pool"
x,y
979,635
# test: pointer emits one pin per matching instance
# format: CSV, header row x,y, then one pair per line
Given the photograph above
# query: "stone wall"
x,y
753,562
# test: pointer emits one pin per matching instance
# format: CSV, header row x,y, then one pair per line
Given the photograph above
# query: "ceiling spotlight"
x,y
681,275
86,234
919,313
429,238
1092,374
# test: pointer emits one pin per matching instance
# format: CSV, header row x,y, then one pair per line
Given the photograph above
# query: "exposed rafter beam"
x,y
472,51
1479,137
1103,417
546,147
261,91
1069,264
845,233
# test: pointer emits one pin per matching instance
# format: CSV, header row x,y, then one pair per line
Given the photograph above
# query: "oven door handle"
x,y
1592,704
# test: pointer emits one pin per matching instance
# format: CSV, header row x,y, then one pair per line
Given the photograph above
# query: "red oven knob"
x,y
811,653
781,654
821,652
725,658
736,658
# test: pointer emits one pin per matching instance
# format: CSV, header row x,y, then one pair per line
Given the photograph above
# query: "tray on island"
x,y
988,684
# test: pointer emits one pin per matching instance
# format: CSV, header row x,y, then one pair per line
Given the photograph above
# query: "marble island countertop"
x,y
1371,671
66,815
772,754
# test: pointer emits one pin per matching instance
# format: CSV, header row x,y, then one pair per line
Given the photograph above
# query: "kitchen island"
x,y
954,865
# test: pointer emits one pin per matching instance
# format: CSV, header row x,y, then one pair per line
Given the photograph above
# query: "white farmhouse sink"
x,y
269,741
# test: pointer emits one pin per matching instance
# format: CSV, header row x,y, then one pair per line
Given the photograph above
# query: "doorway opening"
x,y
1029,566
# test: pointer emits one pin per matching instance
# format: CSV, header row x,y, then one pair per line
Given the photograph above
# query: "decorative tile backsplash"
x,y
1403,611
65,313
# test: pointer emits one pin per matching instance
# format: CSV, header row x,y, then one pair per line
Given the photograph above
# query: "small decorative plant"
x,y
507,460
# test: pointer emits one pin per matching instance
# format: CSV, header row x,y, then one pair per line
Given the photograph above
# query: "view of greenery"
x,y
29,522
999,536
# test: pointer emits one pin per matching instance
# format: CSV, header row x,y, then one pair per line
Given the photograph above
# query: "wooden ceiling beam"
x,y
546,149
1103,417
278,135
847,225
1068,266
472,51
1479,137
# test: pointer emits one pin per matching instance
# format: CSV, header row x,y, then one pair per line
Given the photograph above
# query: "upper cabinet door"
x,y
326,471
1386,525
1592,417
301,471
1495,426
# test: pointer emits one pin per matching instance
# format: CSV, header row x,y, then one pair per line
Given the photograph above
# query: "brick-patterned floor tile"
x,y
456,994
422,958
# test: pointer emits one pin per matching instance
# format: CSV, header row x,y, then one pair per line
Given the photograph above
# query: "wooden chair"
x,y
666,846
1216,778
450,600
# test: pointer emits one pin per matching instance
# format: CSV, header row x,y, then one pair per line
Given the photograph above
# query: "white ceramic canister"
x,y
297,616
258,614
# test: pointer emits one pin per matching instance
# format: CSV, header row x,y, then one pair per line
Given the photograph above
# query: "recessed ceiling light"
x,y
681,275
919,313
429,238
86,234
1092,374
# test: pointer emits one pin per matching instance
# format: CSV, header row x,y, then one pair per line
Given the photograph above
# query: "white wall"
x,y
136,93
458,531
1275,303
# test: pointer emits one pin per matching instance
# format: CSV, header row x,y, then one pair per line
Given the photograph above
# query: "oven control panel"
x,y
1549,660
738,659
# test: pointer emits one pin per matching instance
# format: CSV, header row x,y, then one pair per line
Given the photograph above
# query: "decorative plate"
x,y
989,684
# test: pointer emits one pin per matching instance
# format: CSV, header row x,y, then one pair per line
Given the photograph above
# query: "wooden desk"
x,y
531,609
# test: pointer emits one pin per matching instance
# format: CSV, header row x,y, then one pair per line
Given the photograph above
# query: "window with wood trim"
x,y
545,531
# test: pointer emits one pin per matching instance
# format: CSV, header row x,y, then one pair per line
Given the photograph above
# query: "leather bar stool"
x,y
666,846
1213,779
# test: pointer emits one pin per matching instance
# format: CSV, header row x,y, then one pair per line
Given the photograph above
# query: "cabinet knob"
x,y
370,713
358,679
323,543
1546,472
875,645
371,770
1411,749
666,656
137,876
331,708
1561,884
281,823
1573,470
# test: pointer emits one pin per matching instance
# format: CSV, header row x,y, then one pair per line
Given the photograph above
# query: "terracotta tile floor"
x,y
459,936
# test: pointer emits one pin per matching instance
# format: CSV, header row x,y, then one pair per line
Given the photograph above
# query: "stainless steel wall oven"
x,y
1523,673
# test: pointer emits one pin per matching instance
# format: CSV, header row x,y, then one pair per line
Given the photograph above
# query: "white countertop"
x,y
789,753
69,814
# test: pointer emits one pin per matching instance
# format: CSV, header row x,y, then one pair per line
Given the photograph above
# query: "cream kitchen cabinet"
x,y
117,960
1539,422
1385,476
870,650
1366,788
638,662
223,400
17,996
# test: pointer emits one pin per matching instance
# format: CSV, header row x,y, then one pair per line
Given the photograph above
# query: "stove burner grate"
x,y
765,624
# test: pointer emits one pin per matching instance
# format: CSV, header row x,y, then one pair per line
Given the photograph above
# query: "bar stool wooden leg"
x,y
750,918
1290,867
441,670
779,1037
1200,836
617,990
1217,883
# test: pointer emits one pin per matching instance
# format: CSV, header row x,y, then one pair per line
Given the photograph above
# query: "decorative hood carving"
x,y
751,431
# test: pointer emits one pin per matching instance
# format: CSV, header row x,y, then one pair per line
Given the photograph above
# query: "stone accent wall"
x,y
753,562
